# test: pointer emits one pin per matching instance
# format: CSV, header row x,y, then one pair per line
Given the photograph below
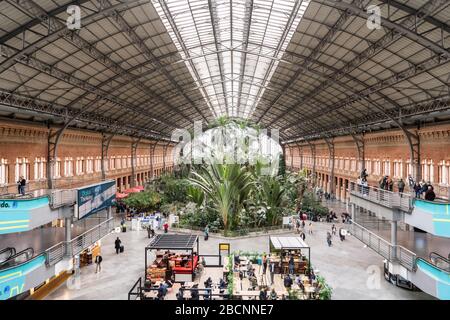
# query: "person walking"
x,y
333,230
166,227
117,245
329,239
303,236
150,231
342,234
272,271
206,231
264,262
310,228
98,262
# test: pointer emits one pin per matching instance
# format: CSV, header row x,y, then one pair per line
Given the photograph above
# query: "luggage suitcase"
x,y
121,248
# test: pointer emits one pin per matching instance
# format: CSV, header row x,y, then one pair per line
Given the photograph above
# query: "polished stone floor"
x,y
352,270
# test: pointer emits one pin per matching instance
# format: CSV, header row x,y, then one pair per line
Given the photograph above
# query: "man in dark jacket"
x,y
430,195
117,244
401,186
98,262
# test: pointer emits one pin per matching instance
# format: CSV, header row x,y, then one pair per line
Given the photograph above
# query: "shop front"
x,y
286,251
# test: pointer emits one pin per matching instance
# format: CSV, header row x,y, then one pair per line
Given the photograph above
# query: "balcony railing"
x,y
65,197
385,198
397,253
63,249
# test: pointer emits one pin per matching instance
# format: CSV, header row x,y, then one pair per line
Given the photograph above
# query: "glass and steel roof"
x,y
227,46
310,68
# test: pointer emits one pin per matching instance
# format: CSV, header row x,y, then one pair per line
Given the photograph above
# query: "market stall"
x,y
283,248
176,257
87,256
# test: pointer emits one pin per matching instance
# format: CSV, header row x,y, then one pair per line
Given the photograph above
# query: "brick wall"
x,y
26,142
388,146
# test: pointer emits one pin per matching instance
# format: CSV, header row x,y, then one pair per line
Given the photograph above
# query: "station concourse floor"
x,y
354,271
421,243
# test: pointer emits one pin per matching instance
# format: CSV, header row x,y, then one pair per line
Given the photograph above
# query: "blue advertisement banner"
x,y
15,215
93,198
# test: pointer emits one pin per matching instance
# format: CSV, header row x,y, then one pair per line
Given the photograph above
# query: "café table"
x,y
152,294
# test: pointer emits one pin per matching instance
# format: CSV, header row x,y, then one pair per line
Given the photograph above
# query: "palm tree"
x,y
227,186
271,191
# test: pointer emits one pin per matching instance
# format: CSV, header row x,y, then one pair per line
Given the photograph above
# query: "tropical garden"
x,y
240,184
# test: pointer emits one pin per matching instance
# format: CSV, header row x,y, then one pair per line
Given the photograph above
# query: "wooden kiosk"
x,y
281,248
176,257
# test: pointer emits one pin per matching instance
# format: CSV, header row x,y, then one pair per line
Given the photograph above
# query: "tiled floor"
x,y
352,270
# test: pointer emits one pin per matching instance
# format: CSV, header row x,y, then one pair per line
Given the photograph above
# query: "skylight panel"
x,y
224,42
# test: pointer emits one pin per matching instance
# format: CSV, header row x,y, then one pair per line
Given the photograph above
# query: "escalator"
x,y
433,276
6,253
440,261
21,272
17,258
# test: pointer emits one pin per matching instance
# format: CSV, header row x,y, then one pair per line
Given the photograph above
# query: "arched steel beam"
x,y
370,51
56,26
61,31
106,142
134,146
402,28
152,156
137,41
359,142
331,150
312,146
164,155
307,62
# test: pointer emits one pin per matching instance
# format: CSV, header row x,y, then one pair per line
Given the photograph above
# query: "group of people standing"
x,y
424,189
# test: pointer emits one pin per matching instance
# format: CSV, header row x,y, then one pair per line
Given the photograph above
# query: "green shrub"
x,y
143,201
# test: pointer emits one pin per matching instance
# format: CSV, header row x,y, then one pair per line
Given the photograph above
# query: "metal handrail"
x,y
388,251
390,199
439,257
56,253
138,286
89,237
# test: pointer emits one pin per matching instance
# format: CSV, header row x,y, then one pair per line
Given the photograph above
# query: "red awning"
x,y
132,190
121,195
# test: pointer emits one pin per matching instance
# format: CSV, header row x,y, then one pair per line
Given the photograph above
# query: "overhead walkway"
x,y
20,213
22,270
403,266
430,216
